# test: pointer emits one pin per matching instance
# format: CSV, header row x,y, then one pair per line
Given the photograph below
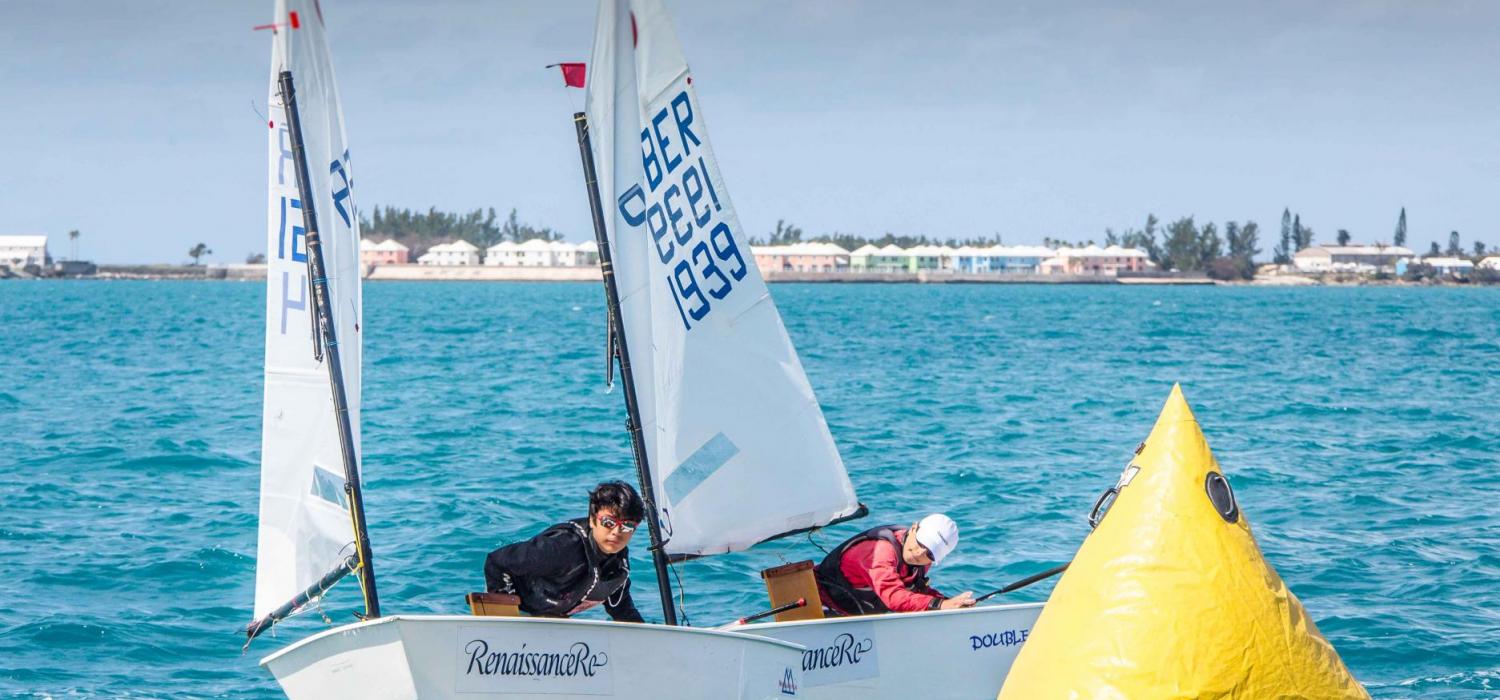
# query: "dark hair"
x,y
620,497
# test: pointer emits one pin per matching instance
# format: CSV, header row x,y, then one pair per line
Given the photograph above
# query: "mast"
x,y
326,336
620,351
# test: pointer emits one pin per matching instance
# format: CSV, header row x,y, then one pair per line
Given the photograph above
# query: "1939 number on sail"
x,y
681,210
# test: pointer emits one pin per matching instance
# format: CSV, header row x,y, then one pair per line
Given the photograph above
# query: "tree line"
x,y
788,233
421,230
1183,245
1186,246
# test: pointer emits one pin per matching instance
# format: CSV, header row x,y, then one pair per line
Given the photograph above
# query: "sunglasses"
x,y
609,523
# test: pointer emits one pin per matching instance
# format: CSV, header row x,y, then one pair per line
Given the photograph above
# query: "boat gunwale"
x,y
917,615
495,620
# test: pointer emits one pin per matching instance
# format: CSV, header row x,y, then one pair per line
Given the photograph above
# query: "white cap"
x,y
939,534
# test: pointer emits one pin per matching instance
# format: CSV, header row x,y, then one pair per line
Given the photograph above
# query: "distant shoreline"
x,y
481,273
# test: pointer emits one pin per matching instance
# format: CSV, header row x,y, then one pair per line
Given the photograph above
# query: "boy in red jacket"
x,y
884,569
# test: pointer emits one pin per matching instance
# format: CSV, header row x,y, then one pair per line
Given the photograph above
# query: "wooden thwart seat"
x,y
495,604
788,582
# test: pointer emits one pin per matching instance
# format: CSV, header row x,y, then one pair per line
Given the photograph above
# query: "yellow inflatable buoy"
x,y
1171,598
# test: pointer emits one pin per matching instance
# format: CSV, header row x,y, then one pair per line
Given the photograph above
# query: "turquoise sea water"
x,y
1359,428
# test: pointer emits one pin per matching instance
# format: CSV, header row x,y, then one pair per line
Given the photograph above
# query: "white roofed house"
x,y
801,257
587,254
1093,260
890,258
971,259
999,259
1349,258
537,253
457,253
925,257
388,252
503,254
947,258
1449,267
575,254
860,258
564,254
1490,263
392,252
1017,260
17,252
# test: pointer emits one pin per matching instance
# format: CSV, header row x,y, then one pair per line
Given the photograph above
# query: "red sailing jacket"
x,y
877,566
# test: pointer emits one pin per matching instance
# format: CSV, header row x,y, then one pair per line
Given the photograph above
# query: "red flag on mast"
x,y
573,73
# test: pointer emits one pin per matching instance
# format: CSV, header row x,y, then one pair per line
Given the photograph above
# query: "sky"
x,y
141,123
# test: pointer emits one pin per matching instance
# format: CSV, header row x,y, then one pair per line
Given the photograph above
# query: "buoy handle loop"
x,y
1096,515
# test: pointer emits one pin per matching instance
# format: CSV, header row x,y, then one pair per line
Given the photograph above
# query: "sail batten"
x,y
305,525
738,446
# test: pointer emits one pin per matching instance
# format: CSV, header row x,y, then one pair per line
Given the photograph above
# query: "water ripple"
x,y
1357,426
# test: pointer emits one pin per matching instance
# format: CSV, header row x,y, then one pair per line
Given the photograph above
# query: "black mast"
x,y
325,337
621,352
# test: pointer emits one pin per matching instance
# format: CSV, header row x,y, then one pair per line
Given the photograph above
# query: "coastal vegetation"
x,y
788,233
1183,245
1226,251
1187,247
198,251
419,230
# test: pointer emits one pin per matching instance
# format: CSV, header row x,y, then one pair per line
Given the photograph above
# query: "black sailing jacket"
x,y
561,572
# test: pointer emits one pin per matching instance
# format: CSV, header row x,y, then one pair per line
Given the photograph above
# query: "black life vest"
x,y
862,601
560,572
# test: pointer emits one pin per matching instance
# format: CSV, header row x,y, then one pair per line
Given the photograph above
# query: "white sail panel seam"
x,y
666,86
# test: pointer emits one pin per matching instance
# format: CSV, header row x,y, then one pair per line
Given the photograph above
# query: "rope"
x,y
681,596
814,543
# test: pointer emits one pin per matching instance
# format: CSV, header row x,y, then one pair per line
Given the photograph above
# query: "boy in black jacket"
x,y
573,566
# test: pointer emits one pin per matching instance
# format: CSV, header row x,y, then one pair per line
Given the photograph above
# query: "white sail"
x,y
737,443
304,517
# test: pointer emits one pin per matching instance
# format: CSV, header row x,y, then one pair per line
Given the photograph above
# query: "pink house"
x,y
1093,260
388,253
801,257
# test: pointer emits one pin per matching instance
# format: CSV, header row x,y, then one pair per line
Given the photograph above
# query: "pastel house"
x,y
801,257
859,259
924,257
387,252
1093,260
457,253
890,258
1449,267
1018,260
1352,258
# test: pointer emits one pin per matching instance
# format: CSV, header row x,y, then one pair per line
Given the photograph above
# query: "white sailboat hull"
x,y
944,653
404,657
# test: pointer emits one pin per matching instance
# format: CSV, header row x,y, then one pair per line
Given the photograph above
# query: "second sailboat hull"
x,y
962,653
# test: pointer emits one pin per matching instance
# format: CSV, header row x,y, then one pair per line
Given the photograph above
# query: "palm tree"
x,y
73,240
199,251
